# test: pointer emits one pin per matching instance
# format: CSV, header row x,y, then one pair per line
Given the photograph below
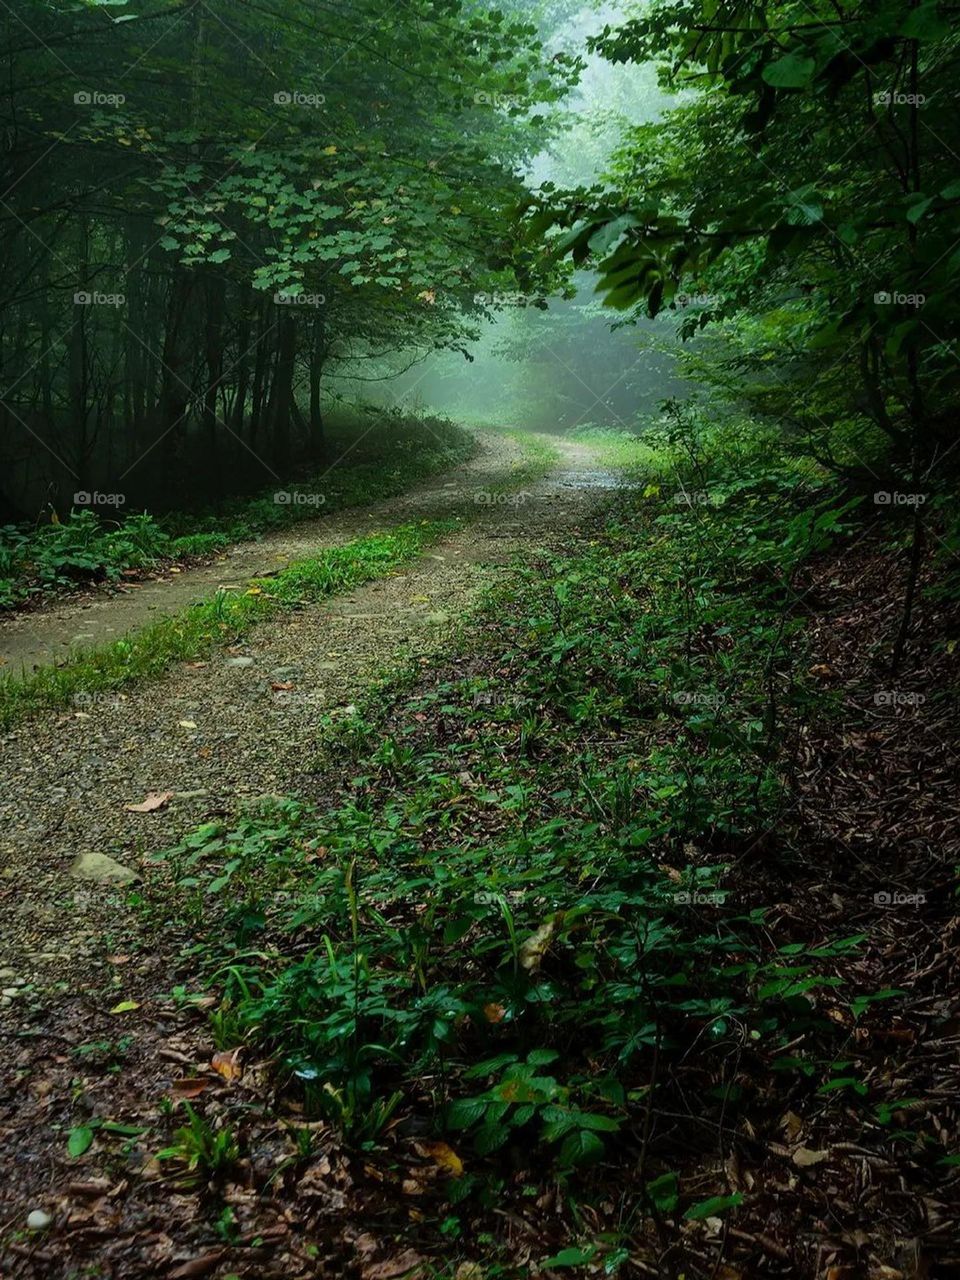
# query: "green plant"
x,y
205,1153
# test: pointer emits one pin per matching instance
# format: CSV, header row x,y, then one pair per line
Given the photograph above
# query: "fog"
x,y
569,365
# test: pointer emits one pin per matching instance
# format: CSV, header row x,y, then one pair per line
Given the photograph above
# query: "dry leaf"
x,y
198,1266
282,686
533,950
155,800
494,1012
407,1265
187,1088
803,1157
791,1124
227,1064
443,1155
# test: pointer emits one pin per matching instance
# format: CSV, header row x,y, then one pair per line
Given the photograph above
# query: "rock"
x,y
7,974
239,662
37,1220
11,993
102,870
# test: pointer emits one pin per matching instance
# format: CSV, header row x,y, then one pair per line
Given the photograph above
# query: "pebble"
x,y
239,662
37,1220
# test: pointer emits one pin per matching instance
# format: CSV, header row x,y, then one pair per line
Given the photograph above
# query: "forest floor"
x,y
487,764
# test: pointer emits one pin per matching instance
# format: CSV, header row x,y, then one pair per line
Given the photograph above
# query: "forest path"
x,y
29,640
220,733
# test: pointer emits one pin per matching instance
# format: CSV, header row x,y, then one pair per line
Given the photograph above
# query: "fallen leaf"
x,y
444,1156
407,1264
125,1006
533,950
188,1088
282,686
198,1266
155,800
227,1064
494,1012
188,724
803,1157
791,1124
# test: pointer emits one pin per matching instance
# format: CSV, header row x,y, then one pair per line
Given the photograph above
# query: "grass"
x,y
379,462
196,632
515,924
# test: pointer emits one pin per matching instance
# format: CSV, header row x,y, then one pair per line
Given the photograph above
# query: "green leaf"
x,y
712,1207
664,1193
465,1112
582,1147
80,1140
925,23
572,1257
795,71
490,1137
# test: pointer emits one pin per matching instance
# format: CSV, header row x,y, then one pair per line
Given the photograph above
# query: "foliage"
x,y
804,193
515,908
211,211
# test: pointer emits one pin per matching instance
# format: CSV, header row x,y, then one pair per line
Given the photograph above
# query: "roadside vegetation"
x,y
374,455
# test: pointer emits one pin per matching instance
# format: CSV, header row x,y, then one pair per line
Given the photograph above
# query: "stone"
x,y
100,869
239,662
37,1220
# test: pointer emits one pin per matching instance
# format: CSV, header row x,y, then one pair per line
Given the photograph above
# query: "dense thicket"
x,y
205,206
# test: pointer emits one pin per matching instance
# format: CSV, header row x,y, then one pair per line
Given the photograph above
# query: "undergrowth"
x,y
519,922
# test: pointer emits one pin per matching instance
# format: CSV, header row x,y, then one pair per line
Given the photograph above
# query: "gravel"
x,y
67,777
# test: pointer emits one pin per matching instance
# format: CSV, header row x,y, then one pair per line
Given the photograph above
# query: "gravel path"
x,y
221,733
29,640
